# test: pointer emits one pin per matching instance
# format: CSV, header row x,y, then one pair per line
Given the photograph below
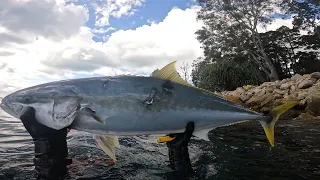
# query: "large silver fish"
x,y
133,105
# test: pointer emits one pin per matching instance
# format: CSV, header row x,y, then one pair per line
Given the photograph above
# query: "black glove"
x,y
178,152
50,147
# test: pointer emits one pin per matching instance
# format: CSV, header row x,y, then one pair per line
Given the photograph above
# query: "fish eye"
x,y
27,99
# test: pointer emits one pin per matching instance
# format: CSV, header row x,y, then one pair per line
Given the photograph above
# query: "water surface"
x,y
240,151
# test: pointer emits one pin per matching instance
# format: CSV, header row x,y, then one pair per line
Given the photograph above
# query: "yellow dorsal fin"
x,y
169,72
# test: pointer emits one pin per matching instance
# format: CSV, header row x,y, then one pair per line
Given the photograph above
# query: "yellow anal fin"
x,y
169,72
275,113
108,144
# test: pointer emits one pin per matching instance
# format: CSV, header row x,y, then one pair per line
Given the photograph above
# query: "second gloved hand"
x,y
50,145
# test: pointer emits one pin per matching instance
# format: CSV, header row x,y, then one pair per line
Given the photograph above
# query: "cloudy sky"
x,y
48,40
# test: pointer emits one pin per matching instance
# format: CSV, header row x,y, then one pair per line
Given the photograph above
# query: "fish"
x,y
126,105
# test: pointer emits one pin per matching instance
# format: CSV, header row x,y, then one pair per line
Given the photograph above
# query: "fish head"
x,y
10,105
55,106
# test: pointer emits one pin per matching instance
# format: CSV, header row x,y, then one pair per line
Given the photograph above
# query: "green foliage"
x,y
235,53
306,14
232,28
228,74
292,52
308,62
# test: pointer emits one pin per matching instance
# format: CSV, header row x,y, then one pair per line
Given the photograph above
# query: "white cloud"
x,y
102,30
140,50
277,23
57,44
115,8
56,53
44,18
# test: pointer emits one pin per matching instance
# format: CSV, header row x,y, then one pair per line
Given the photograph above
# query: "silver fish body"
x,y
125,105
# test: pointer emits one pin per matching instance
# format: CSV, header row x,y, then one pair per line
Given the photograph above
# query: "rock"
x,y
268,95
246,96
315,75
237,92
266,84
290,114
254,100
276,103
247,87
313,105
286,85
271,88
302,95
292,88
304,116
303,102
259,92
282,92
296,77
265,109
291,98
306,83
284,81
277,83
267,102
306,76
313,100
277,96
233,99
255,108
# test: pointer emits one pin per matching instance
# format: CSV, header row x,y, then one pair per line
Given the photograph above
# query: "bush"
x,y
228,75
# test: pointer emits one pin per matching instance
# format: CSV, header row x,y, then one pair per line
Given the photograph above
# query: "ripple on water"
x,y
240,151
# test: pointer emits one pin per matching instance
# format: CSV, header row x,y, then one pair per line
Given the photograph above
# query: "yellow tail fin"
x,y
275,113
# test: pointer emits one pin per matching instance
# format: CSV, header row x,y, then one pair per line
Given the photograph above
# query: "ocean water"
x,y
240,151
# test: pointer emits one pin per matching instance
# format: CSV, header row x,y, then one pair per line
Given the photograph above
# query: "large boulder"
x,y
313,100
306,83
315,75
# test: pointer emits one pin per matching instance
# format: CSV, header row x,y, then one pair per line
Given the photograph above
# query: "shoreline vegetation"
x,y
304,88
261,67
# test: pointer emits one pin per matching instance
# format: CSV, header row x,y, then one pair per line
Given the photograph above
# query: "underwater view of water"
x,y
240,151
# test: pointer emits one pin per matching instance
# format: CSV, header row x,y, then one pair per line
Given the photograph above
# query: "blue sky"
x,y
150,11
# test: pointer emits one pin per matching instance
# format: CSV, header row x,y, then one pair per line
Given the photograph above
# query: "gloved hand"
x,y
178,152
182,139
50,147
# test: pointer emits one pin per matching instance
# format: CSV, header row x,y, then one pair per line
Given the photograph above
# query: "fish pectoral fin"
x,y
108,144
165,139
169,72
202,134
92,113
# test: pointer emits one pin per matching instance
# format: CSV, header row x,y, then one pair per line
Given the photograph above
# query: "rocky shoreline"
x,y
304,88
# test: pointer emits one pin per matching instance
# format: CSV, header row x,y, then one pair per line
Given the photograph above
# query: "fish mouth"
x,y
2,106
6,107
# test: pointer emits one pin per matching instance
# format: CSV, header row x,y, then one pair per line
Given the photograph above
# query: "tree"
x,y
197,65
228,74
291,52
306,15
231,26
281,46
184,69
